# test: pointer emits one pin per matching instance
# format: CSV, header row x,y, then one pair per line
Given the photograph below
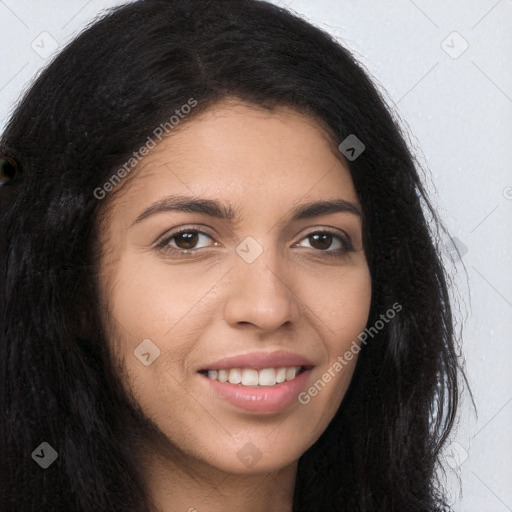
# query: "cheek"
x,y
344,313
152,300
344,306
167,305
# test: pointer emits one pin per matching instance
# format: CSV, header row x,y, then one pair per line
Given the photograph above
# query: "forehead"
x,y
233,127
245,153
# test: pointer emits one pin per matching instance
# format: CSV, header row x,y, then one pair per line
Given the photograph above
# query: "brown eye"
x,y
186,240
8,170
322,241
329,243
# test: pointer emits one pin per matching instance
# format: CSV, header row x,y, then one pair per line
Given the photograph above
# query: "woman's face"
x,y
242,274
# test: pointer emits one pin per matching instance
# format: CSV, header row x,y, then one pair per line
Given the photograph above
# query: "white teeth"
x,y
249,377
267,377
234,376
290,373
280,375
252,377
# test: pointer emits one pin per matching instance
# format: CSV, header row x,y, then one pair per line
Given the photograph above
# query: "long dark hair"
x,y
83,118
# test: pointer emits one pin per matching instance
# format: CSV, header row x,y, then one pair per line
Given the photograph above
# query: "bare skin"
x,y
211,303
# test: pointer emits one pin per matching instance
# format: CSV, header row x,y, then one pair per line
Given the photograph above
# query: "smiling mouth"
x,y
266,377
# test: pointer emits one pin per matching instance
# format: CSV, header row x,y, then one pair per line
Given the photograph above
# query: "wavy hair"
x,y
82,118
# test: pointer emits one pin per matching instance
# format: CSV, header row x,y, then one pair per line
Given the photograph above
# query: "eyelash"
x,y
163,245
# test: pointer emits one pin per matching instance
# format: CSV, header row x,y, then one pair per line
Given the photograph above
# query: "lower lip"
x,y
261,398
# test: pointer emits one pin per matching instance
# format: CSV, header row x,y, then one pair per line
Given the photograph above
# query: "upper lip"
x,y
260,360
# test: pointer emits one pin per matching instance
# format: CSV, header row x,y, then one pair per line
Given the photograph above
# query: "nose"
x,y
261,293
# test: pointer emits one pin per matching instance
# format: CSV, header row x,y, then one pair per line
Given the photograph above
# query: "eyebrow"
x,y
216,209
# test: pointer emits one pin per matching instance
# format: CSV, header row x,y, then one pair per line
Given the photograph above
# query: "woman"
x,y
221,288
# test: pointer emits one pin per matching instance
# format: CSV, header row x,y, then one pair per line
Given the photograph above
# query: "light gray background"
x,y
457,108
